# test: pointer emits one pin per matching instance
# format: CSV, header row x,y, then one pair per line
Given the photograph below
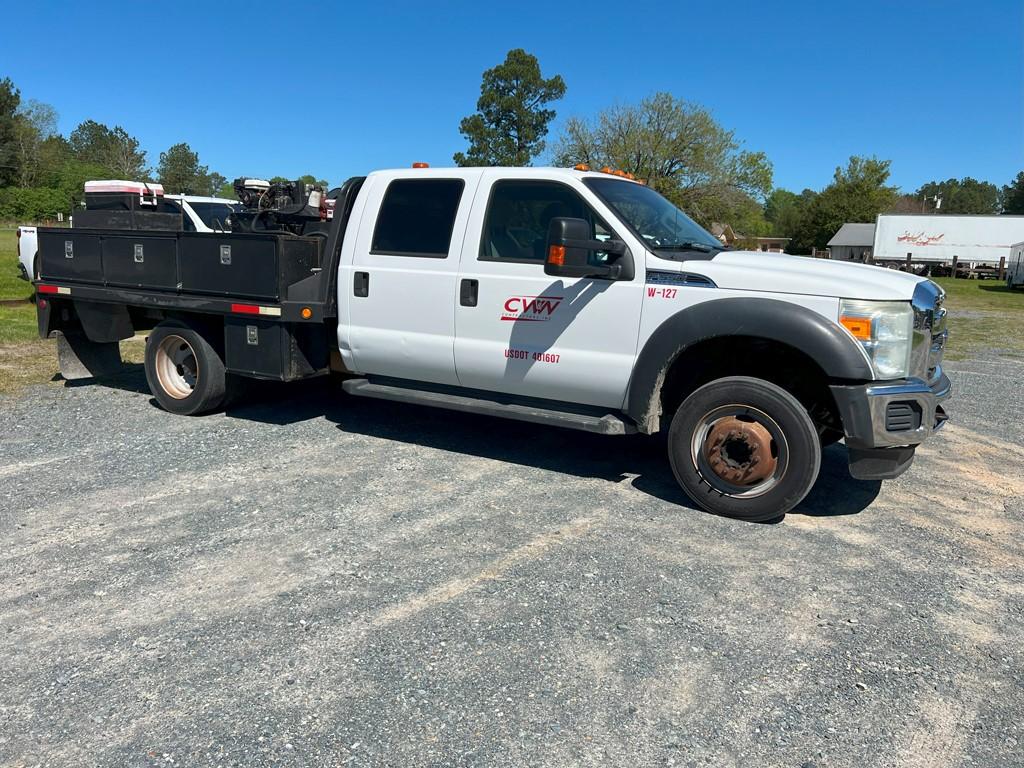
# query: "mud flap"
x,y
80,358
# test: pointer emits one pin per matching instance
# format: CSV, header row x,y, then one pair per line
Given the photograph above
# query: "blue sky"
x,y
339,88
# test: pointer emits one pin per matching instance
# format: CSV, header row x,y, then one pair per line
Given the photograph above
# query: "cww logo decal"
x,y
530,308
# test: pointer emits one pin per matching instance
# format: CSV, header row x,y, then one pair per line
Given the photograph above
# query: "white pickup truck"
x,y
563,297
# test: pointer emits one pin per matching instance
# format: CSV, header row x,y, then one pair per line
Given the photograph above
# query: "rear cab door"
x,y
522,332
398,274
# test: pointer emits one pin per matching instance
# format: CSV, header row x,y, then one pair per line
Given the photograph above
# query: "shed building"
x,y
853,242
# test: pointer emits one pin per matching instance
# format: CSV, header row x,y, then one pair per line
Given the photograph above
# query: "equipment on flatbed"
x,y
250,191
279,206
118,195
119,204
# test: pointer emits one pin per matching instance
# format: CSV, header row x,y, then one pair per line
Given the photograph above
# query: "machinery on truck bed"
x,y
562,297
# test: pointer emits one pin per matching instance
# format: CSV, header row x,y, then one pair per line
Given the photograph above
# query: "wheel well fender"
x,y
803,329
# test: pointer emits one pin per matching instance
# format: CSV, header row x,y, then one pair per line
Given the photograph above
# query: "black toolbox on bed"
x,y
252,266
243,265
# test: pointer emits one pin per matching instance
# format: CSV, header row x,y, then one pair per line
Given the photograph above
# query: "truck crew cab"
x,y
563,297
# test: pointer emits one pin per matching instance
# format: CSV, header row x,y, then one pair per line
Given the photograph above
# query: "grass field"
x,y
24,357
983,315
11,286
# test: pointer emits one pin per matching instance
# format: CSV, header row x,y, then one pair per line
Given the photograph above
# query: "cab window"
x,y
518,215
417,217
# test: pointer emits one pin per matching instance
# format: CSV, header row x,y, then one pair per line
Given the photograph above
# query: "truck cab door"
x,y
523,332
401,284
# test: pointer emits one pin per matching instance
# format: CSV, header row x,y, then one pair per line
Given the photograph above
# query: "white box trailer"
x,y
1015,266
931,239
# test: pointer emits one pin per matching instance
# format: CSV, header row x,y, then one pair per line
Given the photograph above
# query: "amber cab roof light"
x,y
421,165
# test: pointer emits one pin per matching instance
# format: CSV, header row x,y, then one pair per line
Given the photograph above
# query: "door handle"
x,y
468,292
361,284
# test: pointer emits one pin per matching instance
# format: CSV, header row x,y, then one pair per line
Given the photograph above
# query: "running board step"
x,y
607,424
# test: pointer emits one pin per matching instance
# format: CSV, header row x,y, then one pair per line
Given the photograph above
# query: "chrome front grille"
x,y
930,331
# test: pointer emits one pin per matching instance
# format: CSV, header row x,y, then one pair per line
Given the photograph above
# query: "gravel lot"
x,y
311,579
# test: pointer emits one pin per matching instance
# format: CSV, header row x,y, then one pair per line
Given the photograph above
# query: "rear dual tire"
x,y
184,371
744,448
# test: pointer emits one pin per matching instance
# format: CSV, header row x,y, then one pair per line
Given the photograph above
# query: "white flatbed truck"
x,y
563,297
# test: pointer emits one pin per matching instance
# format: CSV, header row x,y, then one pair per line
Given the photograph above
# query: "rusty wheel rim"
x,y
739,451
177,369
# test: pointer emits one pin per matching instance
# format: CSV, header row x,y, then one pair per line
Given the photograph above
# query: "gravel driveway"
x,y
312,579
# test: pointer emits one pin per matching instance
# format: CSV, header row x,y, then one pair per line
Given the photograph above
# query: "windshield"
x,y
215,215
651,216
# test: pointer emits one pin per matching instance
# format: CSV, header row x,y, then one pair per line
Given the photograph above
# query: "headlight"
x,y
885,330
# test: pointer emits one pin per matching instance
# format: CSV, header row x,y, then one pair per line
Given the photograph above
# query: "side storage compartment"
x,y
250,266
140,261
274,350
68,254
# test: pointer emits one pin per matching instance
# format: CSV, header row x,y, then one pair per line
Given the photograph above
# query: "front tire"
x,y
185,373
745,448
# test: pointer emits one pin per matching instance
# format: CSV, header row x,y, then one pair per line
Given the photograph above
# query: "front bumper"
x,y
885,421
892,413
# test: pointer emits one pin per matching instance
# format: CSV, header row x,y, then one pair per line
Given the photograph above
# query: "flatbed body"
x,y
275,291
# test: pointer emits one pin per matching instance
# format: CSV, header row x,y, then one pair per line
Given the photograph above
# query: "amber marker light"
x,y
421,165
306,313
556,255
859,327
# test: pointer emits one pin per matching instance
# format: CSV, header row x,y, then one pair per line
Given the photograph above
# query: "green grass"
x,y
984,315
17,324
11,286
17,321
24,357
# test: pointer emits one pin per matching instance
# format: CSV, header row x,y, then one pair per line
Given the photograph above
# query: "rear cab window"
x,y
416,218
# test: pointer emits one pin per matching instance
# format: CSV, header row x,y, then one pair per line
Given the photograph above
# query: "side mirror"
x,y
569,247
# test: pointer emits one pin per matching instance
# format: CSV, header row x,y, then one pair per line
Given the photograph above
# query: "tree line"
x,y
683,152
676,146
42,173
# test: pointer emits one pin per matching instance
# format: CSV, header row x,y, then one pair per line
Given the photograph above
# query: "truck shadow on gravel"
x,y
637,460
